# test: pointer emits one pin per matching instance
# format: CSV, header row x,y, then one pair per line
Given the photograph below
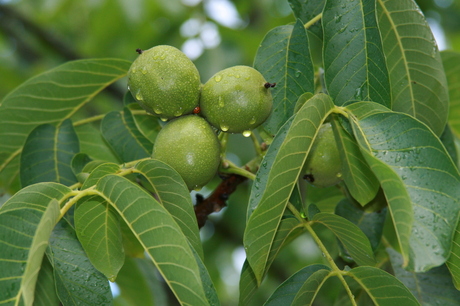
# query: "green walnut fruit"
x,y
165,82
236,100
190,146
323,167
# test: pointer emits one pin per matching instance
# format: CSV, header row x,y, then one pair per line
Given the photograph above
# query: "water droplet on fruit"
x,y
197,188
247,133
129,88
237,76
217,78
164,119
339,175
144,70
133,70
178,113
221,102
224,128
253,120
139,96
157,111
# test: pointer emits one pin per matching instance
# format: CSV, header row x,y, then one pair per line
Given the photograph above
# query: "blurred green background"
x,y
37,35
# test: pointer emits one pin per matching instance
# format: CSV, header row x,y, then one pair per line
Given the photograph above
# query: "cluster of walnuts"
x,y
166,83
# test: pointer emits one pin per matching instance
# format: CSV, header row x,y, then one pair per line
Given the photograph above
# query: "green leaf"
x,y
99,172
79,162
52,97
139,284
301,286
350,235
383,288
408,158
448,140
370,222
287,231
418,82
354,63
77,281
120,131
451,62
93,144
357,175
26,222
98,230
306,11
48,153
147,124
160,236
262,224
284,58
175,197
260,182
45,290
429,287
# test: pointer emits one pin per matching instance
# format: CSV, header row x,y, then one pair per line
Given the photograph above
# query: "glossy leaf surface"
x,y
77,280
354,63
416,161
418,82
284,58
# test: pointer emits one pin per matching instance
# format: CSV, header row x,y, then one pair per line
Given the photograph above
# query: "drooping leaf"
x,y
120,131
383,288
406,154
301,287
451,63
429,287
52,97
93,144
358,177
175,197
281,179
354,63
370,222
98,230
354,240
26,222
77,281
287,231
139,284
45,290
418,82
160,236
260,182
284,58
48,153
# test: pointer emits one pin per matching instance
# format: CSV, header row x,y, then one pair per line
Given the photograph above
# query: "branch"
x,y
218,198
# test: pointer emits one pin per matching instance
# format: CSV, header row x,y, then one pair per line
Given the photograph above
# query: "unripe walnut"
x,y
165,82
236,100
323,167
190,146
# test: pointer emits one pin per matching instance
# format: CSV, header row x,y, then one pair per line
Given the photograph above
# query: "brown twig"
x,y
218,198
